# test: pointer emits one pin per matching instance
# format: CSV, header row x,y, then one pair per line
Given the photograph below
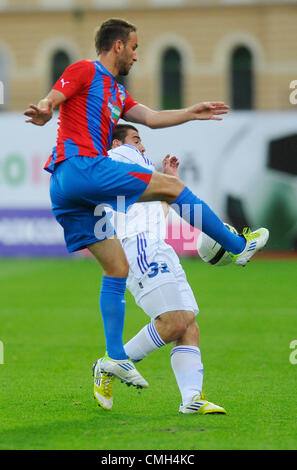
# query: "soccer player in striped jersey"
x,y
83,177
159,285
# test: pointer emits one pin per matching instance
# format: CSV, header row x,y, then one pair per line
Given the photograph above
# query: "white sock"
x,y
188,370
146,341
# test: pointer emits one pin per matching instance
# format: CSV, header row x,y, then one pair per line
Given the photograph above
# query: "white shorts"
x,y
156,278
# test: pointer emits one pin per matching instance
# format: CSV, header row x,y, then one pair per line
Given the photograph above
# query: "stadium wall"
x,y
205,37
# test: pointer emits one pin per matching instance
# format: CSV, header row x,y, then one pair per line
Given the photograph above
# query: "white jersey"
x,y
156,278
141,217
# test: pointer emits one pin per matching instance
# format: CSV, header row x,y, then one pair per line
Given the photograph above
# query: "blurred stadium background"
x,y
242,52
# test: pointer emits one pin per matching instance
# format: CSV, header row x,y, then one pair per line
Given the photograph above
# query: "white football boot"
x,y
123,369
200,405
255,241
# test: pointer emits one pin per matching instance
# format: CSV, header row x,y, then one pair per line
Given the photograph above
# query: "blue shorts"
x,y
79,185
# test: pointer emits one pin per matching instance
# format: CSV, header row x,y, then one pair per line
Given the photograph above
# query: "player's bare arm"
x,y
209,110
43,112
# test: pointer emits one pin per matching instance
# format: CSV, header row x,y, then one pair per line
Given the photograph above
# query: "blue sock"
x,y
112,306
198,214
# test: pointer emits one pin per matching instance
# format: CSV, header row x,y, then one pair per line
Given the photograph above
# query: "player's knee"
x,y
172,188
190,319
163,187
193,329
184,325
176,324
117,269
192,334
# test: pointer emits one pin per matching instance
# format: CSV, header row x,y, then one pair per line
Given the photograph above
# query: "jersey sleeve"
x,y
75,77
127,153
129,102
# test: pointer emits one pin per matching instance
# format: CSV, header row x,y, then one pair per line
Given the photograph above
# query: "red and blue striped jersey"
x,y
94,104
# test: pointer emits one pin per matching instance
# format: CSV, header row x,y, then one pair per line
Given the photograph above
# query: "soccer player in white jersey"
x,y
159,285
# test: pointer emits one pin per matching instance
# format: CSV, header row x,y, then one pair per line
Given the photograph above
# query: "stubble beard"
x,y
123,67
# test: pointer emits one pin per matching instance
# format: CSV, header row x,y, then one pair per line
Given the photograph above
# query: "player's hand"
x,y
170,165
208,110
40,114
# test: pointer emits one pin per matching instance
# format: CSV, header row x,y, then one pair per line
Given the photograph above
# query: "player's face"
x,y
133,138
128,55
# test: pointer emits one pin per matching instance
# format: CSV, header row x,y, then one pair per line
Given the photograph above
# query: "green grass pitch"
x,y
52,333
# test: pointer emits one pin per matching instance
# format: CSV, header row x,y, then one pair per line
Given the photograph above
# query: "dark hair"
x,y
120,131
110,31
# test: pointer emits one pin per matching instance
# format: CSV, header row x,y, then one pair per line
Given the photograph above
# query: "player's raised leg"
x,y
111,256
198,214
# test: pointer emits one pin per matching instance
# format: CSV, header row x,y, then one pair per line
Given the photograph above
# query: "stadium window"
x,y
171,80
60,60
242,80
